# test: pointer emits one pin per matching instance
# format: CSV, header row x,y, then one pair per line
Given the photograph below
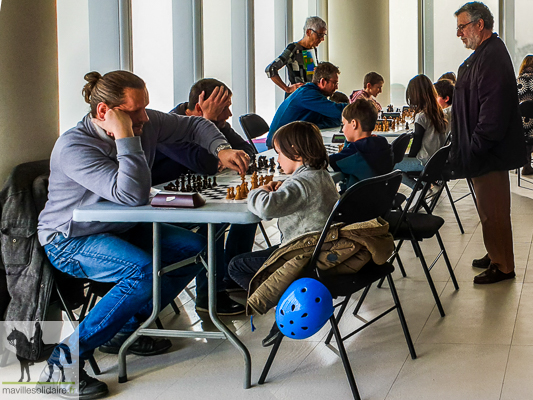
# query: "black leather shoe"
x,y
144,346
273,335
493,275
481,262
88,388
225,305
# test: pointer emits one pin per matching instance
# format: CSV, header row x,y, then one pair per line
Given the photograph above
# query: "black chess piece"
x,y
215,181
209,185
279,166
204,182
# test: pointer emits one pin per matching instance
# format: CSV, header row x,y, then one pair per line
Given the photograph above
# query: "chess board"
x,y
332,148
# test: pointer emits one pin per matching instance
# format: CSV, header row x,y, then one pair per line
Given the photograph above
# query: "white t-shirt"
x,y
432,140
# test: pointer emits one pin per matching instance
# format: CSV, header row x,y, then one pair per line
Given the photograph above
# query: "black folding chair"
x,y
253,126
526,111
399,146
364,201
413,226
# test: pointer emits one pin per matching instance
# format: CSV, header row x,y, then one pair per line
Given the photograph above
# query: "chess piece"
x,y
230,195
214,181
407,125
209,185
238,195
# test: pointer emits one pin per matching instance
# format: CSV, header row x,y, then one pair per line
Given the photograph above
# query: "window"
x,y
152,50
403,31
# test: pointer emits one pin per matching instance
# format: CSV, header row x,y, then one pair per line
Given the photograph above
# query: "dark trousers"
x,y
240,240
493,196
242,268
4,294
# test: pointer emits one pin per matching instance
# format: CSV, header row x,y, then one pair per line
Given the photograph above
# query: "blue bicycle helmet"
x,y
304,308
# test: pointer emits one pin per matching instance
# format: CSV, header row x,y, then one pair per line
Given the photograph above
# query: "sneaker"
x,y
88,388
143,346
225,305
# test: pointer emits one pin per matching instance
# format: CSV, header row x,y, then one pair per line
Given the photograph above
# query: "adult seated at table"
x,y
364,155
211,99
300,57
310,102
372,86
108,156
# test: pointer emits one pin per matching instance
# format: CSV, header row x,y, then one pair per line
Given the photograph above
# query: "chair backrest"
x,y
399,147
434,167
526,109
253,126
366,200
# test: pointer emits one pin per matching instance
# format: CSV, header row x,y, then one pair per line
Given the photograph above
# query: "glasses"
x,y
460,28
320,35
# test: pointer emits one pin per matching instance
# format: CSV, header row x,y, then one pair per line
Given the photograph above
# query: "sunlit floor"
x,y
482,349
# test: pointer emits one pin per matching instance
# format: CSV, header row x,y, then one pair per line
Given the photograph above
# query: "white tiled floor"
x,y
482,349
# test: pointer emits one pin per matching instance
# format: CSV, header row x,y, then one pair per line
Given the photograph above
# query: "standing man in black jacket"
x,y
488,140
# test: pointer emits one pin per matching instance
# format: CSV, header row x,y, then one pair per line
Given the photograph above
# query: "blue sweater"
x,y
307,103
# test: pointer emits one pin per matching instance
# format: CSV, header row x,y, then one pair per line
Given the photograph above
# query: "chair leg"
x,y
360,301
454,209
344,358
94,366
472,192
267,240
447,260
175,307
271,357
429,279
338,317
159,324
402,317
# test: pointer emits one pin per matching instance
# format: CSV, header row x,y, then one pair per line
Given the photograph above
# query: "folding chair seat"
x,y
413,226
359,203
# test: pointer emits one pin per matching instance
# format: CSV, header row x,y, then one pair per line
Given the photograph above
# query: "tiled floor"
x,y
482,349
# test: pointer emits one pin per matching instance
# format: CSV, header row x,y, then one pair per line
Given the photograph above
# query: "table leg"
x,y
212,292
156,279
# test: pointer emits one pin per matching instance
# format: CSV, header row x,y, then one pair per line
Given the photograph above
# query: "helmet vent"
x,y
304,290
291,322
293,307
282,312
304,315
304,328
317,300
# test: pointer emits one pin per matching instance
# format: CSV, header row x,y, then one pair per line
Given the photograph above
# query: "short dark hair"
x,y
450,76
206,85
325,70
339,97
109,89
364,112
445,88
478,10
302,139
373,78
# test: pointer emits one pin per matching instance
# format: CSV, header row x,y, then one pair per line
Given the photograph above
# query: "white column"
x,y
125,35
104,35
358,34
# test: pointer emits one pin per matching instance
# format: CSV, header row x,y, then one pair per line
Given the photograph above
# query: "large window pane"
x,y
300,12
217,39
522,43
403,20
152,50
447,50
73,60
265,53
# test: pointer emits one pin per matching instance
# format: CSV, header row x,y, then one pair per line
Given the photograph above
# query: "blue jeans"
x,y
409,164
126,260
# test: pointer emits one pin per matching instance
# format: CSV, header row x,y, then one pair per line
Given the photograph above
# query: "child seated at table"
x,y
302,203
431,128
364,155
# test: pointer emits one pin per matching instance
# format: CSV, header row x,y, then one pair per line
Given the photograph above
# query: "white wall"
x,y
29,120
359,42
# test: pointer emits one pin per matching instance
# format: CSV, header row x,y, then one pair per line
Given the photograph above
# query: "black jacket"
x,y
29,273
487,133
173,159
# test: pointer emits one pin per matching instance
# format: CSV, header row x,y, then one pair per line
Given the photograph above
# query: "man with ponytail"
x,y
108,156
